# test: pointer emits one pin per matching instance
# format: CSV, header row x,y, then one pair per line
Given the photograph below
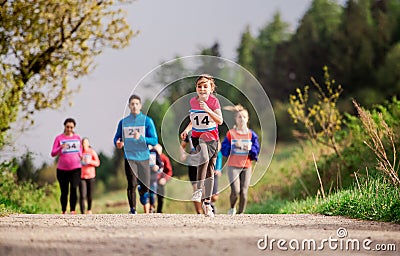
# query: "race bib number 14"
x,y
201,121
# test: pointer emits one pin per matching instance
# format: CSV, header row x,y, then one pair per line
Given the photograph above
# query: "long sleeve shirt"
x,y
136,149
167,170
240,156
89,163
70,155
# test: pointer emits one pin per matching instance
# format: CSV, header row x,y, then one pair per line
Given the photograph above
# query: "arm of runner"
x,y
56,147
118,142
185,132
151,133
216,114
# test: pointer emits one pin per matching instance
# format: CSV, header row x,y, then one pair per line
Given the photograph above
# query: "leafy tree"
x,y
156,110
270,37
363,45
212,51
171,72
111,170
46,174
245,51
43,43
26,169
309,48
386,45
388,74
353,56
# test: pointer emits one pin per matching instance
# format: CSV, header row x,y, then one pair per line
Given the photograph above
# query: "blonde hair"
x,y
236,109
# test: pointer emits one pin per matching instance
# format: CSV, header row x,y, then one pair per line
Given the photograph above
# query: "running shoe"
x,y
197,195
132,211
208,210
89,212
73,212
214,208
232,211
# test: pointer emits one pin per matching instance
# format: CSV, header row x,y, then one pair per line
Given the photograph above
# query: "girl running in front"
x,y
205,116
241,146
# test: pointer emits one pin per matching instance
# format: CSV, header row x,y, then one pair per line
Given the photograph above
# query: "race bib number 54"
x,y
72,146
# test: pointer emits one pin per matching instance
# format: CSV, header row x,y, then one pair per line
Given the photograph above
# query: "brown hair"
x,y
208,77
134,97
70,120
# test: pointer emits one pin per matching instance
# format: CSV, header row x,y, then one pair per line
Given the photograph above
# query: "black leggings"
x,y
86,193
68,180
160,197
206,165
137,172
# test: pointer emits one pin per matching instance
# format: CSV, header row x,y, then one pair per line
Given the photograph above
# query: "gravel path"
x,y
189,234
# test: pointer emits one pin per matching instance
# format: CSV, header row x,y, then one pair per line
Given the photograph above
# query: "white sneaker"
x,y
208,210
232,211
197,195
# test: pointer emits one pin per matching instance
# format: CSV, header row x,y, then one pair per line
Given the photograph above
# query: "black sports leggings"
x,y
68,180
86,193
137,172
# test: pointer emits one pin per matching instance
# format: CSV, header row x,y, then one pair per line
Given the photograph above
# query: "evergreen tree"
x,y
26,169
270,37
310,48
245,51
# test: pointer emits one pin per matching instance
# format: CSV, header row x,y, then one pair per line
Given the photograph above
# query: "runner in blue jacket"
x,y
134,133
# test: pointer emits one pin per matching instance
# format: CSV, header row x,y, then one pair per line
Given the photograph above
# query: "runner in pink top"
x,y
205,116
90,160
68,147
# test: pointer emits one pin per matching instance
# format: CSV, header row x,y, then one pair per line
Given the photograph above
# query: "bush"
x,y
374,199
24,197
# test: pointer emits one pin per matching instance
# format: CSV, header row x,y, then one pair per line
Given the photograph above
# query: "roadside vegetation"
x,y
337,138
341,166
304,177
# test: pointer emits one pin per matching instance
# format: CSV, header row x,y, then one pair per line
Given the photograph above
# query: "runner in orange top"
x,y
241,146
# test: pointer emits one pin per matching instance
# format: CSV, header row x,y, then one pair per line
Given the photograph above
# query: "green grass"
x,y
24,197
375,199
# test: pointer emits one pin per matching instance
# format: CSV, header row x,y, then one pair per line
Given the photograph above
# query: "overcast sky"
x,y
167,29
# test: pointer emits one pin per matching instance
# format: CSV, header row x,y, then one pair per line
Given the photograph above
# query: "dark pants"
x,y
135,170
86,193
160,197
69,182
205,167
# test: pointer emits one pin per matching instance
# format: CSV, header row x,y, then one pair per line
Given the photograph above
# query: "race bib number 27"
x,y
130,131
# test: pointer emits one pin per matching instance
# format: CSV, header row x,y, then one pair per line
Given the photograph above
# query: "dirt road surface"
x,y
186,234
